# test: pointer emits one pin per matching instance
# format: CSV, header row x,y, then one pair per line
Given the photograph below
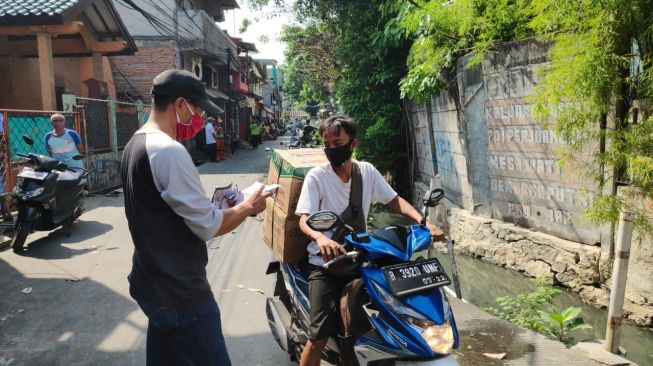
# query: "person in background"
x,y
255,132
266,131
62,143
233,137
219,140
293,127
210,148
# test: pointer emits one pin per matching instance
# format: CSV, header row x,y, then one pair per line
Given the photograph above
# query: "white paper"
x,y
256,185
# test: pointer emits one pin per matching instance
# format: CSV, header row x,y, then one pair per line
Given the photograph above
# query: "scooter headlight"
x,y
439,337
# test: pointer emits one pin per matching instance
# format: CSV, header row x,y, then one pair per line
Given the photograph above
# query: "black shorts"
x,y
324,292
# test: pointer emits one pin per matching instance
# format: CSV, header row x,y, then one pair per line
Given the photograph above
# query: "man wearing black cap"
x,y
170,219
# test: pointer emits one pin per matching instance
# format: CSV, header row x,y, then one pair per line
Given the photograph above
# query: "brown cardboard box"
x,y
282,234
288,169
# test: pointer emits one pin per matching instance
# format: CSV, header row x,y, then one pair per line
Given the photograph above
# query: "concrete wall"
x,y
104,170
425,150
494,158
499,163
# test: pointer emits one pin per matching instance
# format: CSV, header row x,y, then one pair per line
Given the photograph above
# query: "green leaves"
x,y
445,30
559,324
311,66
526,310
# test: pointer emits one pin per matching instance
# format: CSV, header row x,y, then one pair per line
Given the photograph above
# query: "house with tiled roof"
x,y
49,47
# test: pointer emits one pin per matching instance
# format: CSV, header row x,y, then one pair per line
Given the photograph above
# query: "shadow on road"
x,y
50,246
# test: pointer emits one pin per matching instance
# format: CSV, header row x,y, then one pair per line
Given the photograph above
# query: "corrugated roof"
x,y
35,7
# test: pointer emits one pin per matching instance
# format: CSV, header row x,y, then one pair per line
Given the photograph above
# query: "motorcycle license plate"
x,y
29,173
408,278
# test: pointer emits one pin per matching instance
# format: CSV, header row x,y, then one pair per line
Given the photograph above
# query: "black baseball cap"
x,y
184,84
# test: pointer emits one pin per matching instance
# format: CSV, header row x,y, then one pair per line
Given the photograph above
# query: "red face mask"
x,y
188,130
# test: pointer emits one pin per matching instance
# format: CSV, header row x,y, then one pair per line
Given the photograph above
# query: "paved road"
x,y
65,300
79,311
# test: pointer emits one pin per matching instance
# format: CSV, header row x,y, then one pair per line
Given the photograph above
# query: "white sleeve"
x,y
176,177
382,191
309,198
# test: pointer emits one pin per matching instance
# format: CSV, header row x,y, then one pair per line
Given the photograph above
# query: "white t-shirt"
x,y
209,130
324,190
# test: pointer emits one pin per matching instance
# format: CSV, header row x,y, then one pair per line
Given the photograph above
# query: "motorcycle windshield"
x,y
394,241
419,238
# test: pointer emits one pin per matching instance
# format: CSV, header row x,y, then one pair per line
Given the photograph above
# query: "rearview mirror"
x,y
433,197
323,221
78,157
28,140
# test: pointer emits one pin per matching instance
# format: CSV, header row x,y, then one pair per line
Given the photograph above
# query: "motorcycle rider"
x,y
328,187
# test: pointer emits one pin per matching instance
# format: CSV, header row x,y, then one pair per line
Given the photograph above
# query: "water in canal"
x,y
482,282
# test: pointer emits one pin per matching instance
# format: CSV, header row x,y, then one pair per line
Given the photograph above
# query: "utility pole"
x,y
619,276
175,15
437,183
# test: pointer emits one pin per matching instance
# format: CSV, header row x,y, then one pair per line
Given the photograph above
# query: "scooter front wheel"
x,y
20,235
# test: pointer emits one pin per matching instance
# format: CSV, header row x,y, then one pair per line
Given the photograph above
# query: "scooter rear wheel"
x,y
20,235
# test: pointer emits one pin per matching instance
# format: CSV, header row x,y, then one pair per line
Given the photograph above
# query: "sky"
x,y
269,27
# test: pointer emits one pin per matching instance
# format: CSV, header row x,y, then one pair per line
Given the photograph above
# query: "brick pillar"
x,y
98,68
46,71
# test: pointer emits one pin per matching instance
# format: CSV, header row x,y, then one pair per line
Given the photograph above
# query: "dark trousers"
x,y
211,150
183,336
256,140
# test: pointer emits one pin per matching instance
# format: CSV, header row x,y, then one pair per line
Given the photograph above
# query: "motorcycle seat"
x,y
394,235
69,180
69,176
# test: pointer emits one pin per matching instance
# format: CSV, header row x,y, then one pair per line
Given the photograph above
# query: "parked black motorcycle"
x,y
48,195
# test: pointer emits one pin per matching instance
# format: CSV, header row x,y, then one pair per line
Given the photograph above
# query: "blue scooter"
x,y
410,319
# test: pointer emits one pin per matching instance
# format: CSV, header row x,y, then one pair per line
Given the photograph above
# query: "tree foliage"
x,y
600,67
310,68
526,310
445,30
346,42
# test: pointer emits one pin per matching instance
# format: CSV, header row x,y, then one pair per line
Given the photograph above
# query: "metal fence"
x,y
14,124
126,122
104,125
97,125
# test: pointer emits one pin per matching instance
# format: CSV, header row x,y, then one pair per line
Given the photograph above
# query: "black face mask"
x,y
338,156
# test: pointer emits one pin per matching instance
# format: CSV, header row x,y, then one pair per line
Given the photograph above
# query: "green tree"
x,y
370,62
445,30
599,71
310,68
368,87
600,67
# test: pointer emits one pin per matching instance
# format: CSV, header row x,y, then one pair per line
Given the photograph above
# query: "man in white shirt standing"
x,y
211,147
328,187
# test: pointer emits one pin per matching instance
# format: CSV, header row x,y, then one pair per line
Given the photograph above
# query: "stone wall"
x,y
497,161
563,262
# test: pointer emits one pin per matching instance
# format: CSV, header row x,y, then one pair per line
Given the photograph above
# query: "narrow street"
x,y
79,312
65,301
